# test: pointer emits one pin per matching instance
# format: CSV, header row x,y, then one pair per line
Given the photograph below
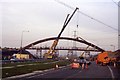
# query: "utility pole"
x,y
74,43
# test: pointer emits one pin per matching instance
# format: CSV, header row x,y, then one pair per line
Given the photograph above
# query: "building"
x,y
8,54
21,56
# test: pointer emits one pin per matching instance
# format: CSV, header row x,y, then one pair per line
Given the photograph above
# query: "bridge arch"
x,y
65,38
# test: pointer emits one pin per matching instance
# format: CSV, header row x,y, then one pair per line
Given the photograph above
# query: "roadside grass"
x,y
30,68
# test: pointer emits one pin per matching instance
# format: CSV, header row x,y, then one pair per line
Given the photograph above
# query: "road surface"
x,y
93,71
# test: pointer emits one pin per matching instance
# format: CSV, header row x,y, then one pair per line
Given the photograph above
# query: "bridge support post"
x,y
39,53
71,54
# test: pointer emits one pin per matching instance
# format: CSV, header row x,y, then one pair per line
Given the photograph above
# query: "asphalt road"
x,y
93,71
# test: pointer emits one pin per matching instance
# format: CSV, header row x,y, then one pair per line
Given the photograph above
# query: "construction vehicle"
x,y
103,58
78,63
50,54
82,60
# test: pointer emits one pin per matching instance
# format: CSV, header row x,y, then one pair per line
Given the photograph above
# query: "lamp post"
x,y
113,47
22,42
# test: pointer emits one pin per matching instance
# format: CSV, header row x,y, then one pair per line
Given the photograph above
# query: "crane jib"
x,y
52,48
66,23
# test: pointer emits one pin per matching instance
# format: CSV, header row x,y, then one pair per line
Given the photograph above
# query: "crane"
x,y
50,53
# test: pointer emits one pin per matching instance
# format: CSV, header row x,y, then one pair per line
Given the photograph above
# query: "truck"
x,y
103,58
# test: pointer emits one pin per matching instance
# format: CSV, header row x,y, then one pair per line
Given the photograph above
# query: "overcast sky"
x,y
44,18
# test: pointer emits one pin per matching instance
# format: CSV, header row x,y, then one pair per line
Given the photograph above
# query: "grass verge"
x,y
24,63
30,68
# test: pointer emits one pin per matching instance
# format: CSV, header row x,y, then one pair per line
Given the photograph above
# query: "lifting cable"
x,y
87,15
115,3
77,23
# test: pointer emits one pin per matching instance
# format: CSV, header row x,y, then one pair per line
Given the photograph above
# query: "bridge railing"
x,y
62,48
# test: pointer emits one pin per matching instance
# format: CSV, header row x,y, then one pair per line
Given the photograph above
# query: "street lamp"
x,y
113,46
22,42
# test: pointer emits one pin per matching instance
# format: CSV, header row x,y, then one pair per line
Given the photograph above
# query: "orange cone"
x,y
56,66
86,66
82,66
114,64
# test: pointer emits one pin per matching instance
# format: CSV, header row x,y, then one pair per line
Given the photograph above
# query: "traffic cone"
x,y
56,66
114,64
82,66
86,66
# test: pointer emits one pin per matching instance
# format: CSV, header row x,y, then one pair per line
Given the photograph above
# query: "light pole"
x,y
113,47
22,42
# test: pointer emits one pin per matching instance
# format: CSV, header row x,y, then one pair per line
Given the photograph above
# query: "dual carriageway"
x,y
93,71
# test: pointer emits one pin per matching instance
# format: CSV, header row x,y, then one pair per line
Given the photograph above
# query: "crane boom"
x,y
52,48
64,26
61,32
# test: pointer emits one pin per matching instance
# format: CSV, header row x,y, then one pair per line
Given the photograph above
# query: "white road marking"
x,y
20,65
31,76
37,75
7,67
46,63
111,72
37,71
